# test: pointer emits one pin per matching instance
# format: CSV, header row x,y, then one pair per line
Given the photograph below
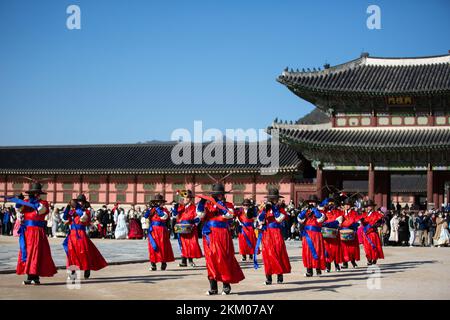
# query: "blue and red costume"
x,y
246,237
159,246
350,249
218,245
313,250
35,257
187,214
333,248
80,250
274,253
371,240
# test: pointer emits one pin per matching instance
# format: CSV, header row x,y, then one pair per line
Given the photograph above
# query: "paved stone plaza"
x,y
406,273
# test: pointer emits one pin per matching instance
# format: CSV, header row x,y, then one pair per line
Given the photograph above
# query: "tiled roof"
x,y
133,159
370,139
375,76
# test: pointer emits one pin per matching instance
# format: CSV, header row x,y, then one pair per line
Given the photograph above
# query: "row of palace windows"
x,y
146,186
121,197
393,121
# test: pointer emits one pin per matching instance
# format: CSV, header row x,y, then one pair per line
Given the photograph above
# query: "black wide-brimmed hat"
x,y
369,203
313,198
218,188
158,198
274,193
348,201
81,198
36,188
247,202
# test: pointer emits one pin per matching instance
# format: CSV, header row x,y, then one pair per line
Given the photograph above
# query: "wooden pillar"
x,y
107,189
373,119
135,182
254,187
164,186
319,182
80,189
429,184
55,188
6,185
191,185
292,188
371,193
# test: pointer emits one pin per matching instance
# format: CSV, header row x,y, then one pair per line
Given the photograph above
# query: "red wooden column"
x,y
107,189
6,185
80,189
371,193
254,187
135,182
292,189
429,184
164,186
191,184
55,189
319,182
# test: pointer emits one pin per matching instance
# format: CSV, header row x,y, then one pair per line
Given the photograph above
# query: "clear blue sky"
x,y
137,70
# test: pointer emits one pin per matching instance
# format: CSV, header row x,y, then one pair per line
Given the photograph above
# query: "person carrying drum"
x,y
349,240
313,253
330,233
159,246
186,228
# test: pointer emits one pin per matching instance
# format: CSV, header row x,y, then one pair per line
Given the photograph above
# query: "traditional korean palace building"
x,y
389,122
387,137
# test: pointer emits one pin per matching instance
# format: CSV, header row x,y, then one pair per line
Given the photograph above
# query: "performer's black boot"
x,y
328,265
250,257
35,280
369,262
318,271
354,264
153,267
337,267
29,280
345,265
280,278
244,257
191,262
87,274
268,280
183,262
374,261
163,266
309,272
213,287
226,288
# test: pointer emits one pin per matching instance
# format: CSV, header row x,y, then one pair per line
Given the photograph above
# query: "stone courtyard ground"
x,y
406,273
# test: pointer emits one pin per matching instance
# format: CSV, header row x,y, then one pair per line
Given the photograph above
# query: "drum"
x,y
347,235
183,228
329,233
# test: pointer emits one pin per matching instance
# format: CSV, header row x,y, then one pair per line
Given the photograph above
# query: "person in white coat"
x,y
394,229
121,231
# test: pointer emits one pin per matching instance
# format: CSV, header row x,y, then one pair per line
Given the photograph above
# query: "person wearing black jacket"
x,y
403,230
